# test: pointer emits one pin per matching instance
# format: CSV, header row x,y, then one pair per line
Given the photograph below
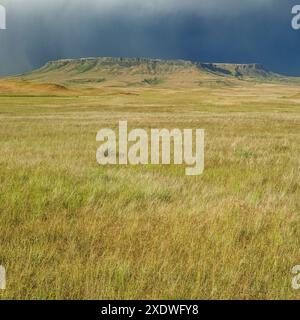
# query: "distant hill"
x,y
94,72
239,70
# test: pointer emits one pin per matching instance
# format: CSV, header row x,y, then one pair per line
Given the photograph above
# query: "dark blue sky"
x,y
237,31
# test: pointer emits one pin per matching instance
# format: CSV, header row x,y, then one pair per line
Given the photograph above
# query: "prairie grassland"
x,y
72,229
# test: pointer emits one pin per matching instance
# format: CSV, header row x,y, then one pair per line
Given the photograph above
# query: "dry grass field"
x,y
71,229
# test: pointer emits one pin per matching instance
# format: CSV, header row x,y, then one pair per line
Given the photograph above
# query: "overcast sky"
x,y
241,31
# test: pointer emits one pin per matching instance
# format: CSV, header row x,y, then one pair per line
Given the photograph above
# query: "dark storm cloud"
x,y
205,30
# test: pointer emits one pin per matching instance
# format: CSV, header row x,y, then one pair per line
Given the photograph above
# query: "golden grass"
x,y
72,229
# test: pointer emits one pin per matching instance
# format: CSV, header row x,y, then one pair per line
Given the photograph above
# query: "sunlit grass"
x,y
72,229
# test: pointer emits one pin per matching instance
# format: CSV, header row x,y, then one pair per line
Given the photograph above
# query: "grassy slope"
x,y
72,229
